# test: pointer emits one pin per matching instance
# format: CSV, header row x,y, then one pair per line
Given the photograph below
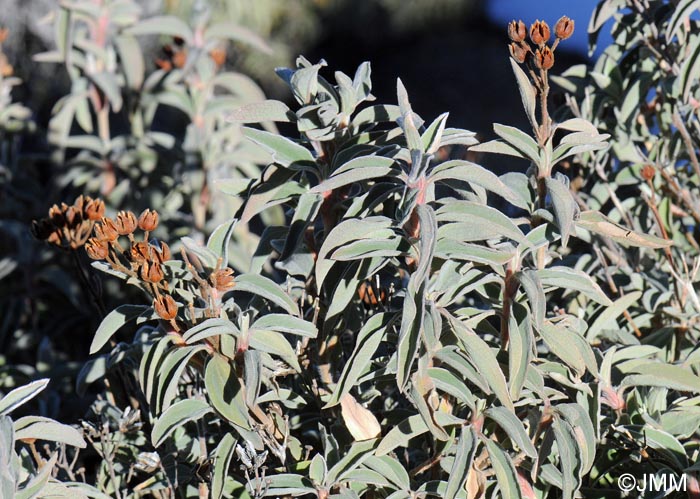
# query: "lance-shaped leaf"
x,y
409,121
564,207
348,231
476,222
414,303
569,457
573,279
113,322
506,476
225,392
513,427
528,93
266,288
21,395
462,465
223,454
465,171
285,152
366,344
665,375
484,360
583,430
360,169
598,223
535,295
570,347
177,415
41,428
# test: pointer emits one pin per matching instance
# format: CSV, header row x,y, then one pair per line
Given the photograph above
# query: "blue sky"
x,y
549,10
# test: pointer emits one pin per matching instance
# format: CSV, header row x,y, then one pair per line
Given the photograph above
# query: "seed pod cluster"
x,y
69,227
142,259
536,51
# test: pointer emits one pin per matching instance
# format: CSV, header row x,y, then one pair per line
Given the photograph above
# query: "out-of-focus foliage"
x,y
404,323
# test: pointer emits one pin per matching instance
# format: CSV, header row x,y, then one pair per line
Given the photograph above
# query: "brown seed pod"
x,y
539,33
518,52
163,253
140,251
151,272
148,221
97,249
107,230
564,28
94,209
648,172
544,58
165,306
125,223
222,279
517,31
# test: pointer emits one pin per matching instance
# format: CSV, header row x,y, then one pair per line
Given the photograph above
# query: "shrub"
x,y
414,325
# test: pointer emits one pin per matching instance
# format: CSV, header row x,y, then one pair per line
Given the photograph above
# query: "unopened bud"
x,y
564,28
517,31
539,32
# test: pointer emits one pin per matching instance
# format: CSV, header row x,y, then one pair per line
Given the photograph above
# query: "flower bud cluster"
x,y
542,55
69,227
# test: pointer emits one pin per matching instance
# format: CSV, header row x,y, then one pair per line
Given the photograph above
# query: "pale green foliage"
x,y
410,324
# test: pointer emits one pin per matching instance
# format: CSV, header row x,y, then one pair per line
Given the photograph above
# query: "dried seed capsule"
x,y
107,230
539,32
151,272
57,215
518,52
74,217
126,223
544,58
97,249
648,172
165,307
517,31
140,251
564,28
148,221
222,279
163,253
94,209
